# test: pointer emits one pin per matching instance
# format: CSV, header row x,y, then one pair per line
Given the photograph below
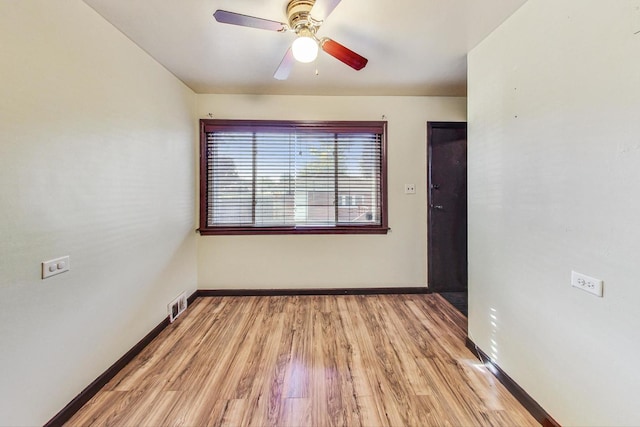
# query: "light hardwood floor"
x,y
374,360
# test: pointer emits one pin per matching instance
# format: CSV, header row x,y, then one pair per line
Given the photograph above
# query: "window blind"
x,y
296,177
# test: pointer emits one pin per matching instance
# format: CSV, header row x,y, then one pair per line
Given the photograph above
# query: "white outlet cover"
x,y
409,189
586,283
55,266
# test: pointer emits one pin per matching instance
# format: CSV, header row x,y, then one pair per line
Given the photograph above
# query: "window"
x,y
266,177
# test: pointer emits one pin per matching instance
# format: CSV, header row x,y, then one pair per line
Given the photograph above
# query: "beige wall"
x,y
96,162
554,175
335,261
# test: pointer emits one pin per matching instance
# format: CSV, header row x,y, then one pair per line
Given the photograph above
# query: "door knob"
x,y
435,186
437,207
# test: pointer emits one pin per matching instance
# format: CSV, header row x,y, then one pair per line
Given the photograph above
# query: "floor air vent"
x,y
177,306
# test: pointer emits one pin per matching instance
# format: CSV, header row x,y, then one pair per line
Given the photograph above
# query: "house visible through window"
x,y
292,177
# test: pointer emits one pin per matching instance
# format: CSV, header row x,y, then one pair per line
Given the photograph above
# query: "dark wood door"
x,y
447,212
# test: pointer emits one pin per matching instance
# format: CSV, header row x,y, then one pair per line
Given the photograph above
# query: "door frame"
x,y
430,127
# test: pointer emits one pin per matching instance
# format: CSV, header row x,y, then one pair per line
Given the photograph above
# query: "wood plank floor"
x,y
365,360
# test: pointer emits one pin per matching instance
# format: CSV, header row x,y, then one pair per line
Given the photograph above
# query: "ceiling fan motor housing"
x,y
298,12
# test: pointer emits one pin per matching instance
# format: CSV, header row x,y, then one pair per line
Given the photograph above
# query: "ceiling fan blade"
x,y
343,54
284,69
323,8
248,21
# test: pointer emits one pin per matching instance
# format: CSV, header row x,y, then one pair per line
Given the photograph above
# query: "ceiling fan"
x,y
305,18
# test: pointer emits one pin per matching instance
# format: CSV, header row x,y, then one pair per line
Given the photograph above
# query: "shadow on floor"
x,y
457,299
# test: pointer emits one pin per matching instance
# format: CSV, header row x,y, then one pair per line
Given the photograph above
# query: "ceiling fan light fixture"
x,y
305,49
304,18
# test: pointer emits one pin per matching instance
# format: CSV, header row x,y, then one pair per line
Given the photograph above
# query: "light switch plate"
x,y
55,266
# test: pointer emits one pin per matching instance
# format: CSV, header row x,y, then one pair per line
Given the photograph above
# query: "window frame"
x,y
210,125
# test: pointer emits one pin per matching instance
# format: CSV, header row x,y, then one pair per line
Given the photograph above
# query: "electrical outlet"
x,y
409,189
55,266
586,283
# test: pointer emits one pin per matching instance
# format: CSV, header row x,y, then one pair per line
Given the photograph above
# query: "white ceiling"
x,y
414,47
